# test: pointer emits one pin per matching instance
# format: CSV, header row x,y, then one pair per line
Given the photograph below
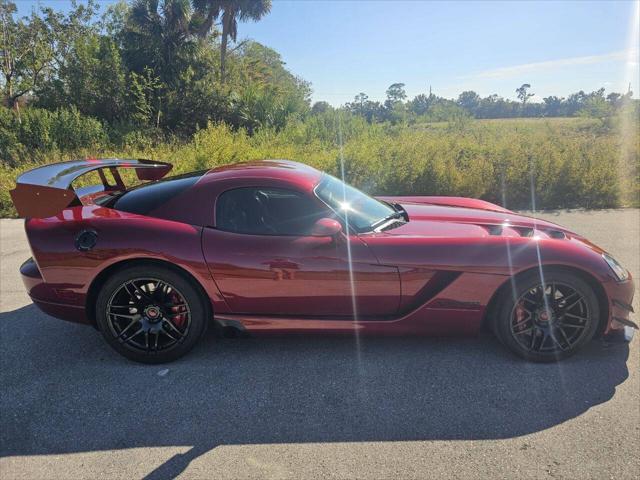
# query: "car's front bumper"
x,y
620,327
624,335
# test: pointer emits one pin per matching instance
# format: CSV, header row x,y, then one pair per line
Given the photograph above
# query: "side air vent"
x,y
556,234
436,284
525,232
494,229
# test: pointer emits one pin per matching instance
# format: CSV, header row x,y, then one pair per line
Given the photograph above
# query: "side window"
x,y
266,211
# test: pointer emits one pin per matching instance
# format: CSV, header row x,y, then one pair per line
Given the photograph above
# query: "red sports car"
x,y
279,247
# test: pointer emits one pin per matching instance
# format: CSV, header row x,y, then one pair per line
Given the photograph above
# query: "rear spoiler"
x,y
46,191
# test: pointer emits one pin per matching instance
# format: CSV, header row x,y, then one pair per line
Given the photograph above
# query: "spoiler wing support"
x,y
46,191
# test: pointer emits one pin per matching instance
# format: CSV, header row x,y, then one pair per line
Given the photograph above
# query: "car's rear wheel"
x,y
548,317
150,314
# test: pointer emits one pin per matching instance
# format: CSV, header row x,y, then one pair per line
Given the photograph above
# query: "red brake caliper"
x,y
178,310
521,314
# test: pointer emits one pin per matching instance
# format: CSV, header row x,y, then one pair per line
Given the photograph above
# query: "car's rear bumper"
x,y
48,298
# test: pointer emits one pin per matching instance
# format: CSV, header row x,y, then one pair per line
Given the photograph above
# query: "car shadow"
x,y
64,390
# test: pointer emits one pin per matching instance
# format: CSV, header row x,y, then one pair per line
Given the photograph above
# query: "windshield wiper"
x,y
382,221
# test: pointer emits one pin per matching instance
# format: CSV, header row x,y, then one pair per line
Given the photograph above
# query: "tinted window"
x,y
266,211
148,197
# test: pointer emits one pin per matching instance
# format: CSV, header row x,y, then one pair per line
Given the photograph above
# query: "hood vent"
x,y
498,230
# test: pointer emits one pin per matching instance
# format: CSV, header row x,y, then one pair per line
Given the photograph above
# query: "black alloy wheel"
x,y
547,317
151,314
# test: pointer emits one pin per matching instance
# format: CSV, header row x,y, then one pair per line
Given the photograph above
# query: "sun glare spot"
x,y
346,207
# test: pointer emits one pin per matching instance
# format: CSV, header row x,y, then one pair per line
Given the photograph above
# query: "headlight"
x,y
619,271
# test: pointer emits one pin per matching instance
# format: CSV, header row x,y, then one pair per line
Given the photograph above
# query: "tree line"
x,y
397,108
174,66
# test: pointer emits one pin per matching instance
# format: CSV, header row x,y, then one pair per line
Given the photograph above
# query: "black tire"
x,y
551,326
167,310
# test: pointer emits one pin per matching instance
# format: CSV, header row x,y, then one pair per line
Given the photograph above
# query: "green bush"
x,y
568,162
38,134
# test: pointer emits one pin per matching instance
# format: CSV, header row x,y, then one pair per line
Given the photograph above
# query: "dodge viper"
x,y
275,246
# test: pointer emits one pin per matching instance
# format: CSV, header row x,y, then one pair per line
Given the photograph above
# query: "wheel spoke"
x,y
571,325
545,335
521,323
173,327
534,335
555,340
139,331
130,317
525,331
131,324
159,291
568,298
136,292
564,335
577,317
569,307
168,334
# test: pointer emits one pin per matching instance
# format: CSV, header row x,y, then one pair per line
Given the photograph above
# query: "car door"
x,y
265,261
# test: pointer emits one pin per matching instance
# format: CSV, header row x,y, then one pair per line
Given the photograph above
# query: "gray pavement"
x,y
314,407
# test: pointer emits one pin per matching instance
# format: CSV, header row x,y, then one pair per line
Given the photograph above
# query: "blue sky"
x,y
347,47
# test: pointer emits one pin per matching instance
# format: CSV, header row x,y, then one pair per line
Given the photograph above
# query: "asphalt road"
x,y
314,407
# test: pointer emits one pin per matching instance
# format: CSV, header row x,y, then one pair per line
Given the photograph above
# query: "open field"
x,y
314,407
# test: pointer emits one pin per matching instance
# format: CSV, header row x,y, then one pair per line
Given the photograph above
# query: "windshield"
x,y
357,209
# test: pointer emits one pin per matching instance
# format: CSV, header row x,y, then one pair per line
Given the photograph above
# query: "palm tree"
x,y
229,11
160,34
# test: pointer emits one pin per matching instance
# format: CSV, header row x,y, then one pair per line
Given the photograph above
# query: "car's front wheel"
x,y
547,317
150,314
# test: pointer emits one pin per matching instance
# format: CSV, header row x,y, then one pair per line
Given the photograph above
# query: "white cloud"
x,y
512,71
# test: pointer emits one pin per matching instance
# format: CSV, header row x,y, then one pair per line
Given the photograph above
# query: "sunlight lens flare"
x,y
345,206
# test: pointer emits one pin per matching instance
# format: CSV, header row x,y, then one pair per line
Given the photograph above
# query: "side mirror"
x,y
326,227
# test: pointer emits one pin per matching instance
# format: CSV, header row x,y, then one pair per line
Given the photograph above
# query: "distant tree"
x,y
614,99
469,100
395,110
595,105
366,108
552,105
395,94
320,107
421,103
523,93
229,11
361,99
